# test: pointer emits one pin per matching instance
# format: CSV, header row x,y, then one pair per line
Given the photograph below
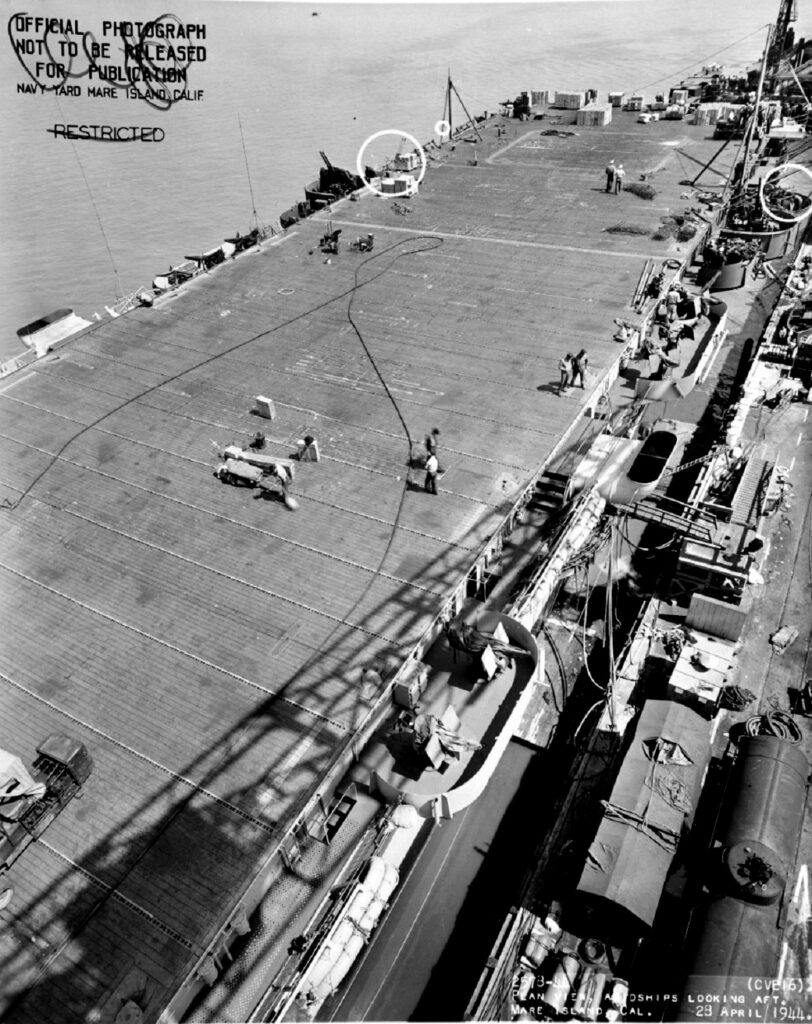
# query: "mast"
x,y
788,12
447,115
751,127
473,122
754,119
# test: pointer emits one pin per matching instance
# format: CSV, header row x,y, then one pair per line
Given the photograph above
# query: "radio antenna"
x,y
248,172
95,208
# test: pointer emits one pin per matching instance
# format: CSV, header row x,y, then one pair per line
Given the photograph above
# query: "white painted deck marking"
x,y
801,895
779,976
800,436
715,728
610,254
19,380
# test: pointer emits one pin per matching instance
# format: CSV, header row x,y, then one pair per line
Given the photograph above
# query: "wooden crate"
x,y
718,618
569,100
596,115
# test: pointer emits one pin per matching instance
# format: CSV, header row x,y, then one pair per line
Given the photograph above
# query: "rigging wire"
x,y
248,171
587,598
562,669
406,485
558,709
597,704
670,75
119,292
610,626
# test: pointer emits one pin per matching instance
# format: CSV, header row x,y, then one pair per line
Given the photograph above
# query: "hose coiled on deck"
x,y
774,723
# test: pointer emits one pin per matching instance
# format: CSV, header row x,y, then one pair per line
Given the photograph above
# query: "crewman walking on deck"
x,y
610,176
579,367
432,442
565,367
620,174
432,467
792,347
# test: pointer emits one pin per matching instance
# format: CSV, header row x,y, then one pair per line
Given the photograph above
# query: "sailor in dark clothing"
x,y
432,442
579,365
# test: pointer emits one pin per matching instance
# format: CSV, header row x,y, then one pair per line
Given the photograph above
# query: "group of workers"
x,y
329,243
573,369
432,463
239,470
615,176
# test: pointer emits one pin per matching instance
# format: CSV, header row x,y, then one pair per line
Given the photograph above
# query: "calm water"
x,y
299,84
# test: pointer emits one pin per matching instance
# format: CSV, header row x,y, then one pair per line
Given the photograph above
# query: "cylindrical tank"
x,y
537,946
740,934
769,789
773,243
616,1003
557,991
732,275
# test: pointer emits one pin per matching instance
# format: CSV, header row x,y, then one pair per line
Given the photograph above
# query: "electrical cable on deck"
x,y
588,595
559,709
558,659
775,723
7,505
597,704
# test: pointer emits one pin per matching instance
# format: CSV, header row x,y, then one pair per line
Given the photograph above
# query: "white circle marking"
x,y
359,163
797,218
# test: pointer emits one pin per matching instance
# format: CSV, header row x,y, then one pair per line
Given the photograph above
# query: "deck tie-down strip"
x,y
519,242
248,526
44,370
270,829
179,650
110,890
219,515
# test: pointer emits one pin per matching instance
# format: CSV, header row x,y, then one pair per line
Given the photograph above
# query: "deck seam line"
x,y
425,332
114,362
194,657
344,462
58,457
610,254
270,829
199,462
178,376
234,522
219,515
111,890
227,426
439,349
